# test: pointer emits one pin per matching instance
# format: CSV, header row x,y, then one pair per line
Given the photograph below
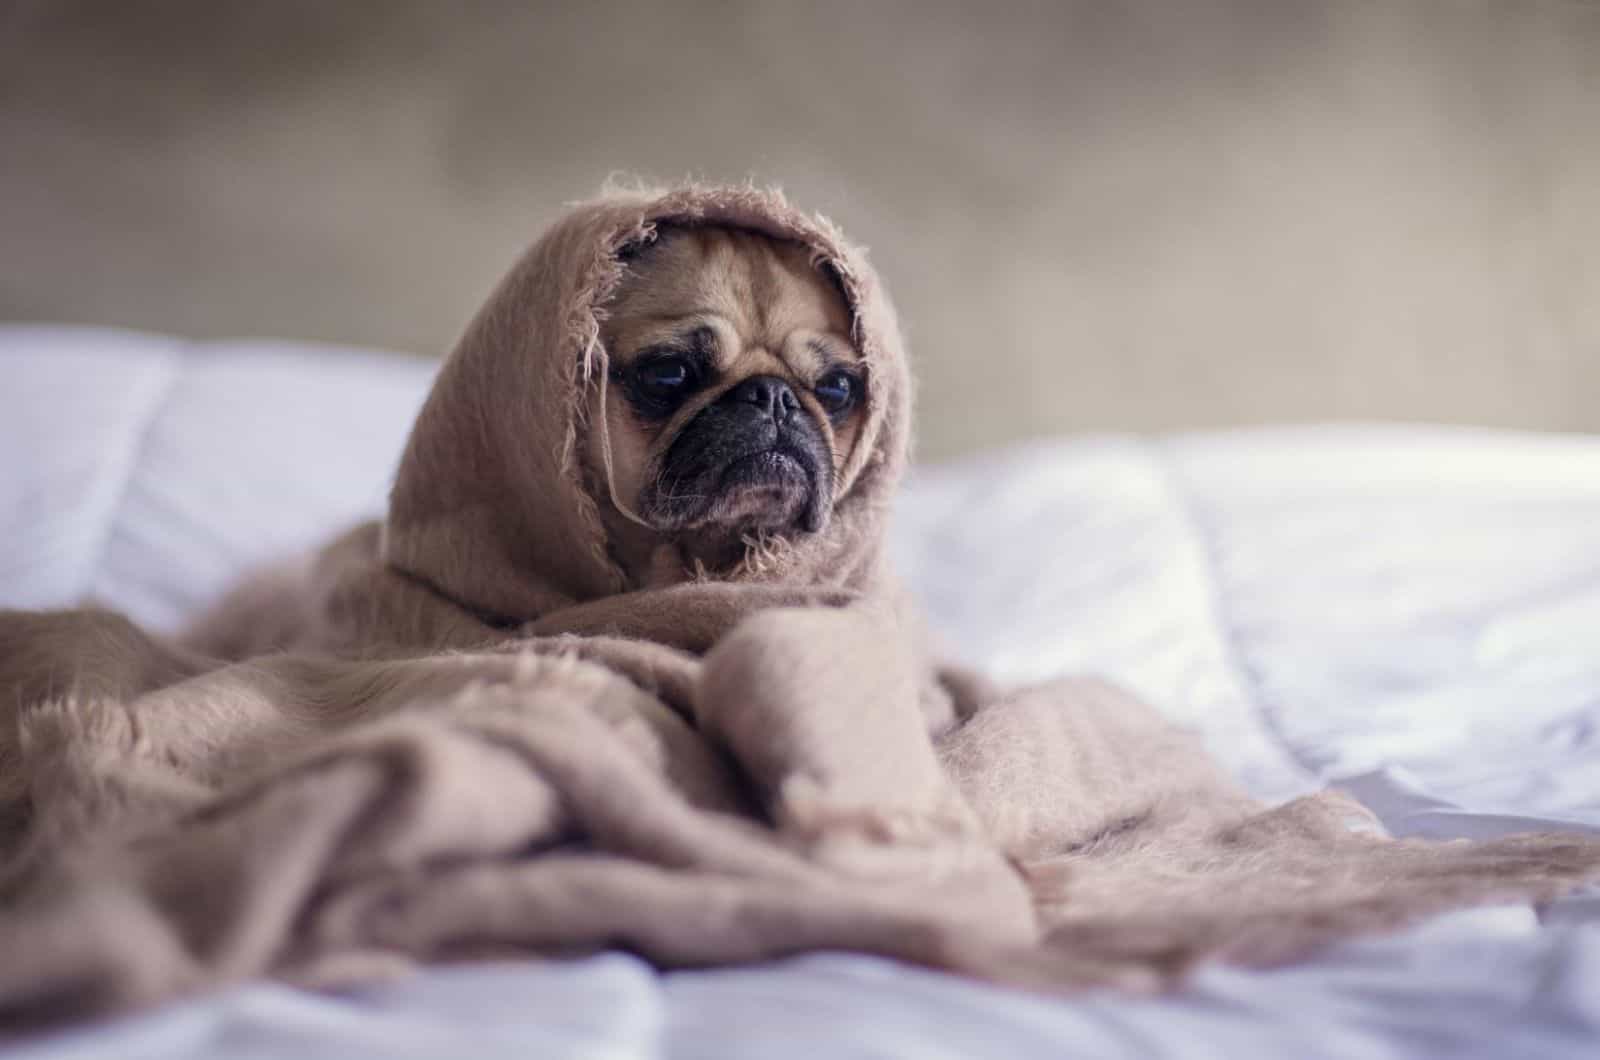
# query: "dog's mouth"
x,y
771,469
718,482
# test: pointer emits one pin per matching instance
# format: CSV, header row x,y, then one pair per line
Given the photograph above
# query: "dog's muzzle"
x,y
754,457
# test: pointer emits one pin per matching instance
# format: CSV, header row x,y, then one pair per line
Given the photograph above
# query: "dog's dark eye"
x,y
664,374
837,391
661,382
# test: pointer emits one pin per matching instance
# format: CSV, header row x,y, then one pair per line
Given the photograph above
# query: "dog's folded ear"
x,y
502,495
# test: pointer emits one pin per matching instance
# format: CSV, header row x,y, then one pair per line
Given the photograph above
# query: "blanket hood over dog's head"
x,y
498,499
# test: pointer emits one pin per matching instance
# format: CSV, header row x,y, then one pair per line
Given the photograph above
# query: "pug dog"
x,y
732,399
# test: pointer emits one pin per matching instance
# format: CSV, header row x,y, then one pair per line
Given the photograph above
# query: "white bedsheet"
x,y
1413,613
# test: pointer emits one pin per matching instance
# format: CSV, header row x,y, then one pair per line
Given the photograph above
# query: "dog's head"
x,y
734,393
697,382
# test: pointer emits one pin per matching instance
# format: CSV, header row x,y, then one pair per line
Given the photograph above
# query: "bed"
x,y
1411,613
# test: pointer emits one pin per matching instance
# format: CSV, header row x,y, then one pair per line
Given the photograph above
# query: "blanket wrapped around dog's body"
x,y
466,732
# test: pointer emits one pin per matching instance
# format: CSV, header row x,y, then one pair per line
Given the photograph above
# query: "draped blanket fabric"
x,y
464,732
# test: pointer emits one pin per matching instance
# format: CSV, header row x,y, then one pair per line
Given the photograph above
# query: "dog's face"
x,y
735,393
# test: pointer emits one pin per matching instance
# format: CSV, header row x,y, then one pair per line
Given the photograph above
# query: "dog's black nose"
x,y
768,393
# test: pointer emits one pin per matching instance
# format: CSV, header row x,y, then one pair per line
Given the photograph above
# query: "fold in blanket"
x,y
463,732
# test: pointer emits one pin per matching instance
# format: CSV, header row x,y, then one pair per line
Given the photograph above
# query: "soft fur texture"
x,y
472,731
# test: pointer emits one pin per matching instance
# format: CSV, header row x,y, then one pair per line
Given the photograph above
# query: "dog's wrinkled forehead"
x,y
733,293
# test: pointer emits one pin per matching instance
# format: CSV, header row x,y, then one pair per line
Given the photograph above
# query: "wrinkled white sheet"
x,y
1413,613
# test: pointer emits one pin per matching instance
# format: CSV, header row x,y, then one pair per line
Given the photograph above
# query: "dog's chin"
x,y
777,490
763,491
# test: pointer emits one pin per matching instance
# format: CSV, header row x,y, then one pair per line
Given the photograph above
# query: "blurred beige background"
x,y
1139,215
